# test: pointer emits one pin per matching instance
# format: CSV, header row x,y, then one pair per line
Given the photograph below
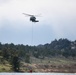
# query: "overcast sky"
x,y
57,20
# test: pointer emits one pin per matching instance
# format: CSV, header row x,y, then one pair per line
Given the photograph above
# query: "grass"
x,y
5,67
38,65
54,60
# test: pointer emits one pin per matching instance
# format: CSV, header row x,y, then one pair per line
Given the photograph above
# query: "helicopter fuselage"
x,y
33,19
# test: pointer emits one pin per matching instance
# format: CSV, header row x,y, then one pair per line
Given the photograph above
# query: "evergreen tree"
x,y
15,63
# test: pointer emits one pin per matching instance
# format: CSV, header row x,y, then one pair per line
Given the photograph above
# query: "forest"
x,y
15,54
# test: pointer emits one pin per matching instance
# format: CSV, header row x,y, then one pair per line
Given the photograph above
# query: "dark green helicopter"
x,y
32,17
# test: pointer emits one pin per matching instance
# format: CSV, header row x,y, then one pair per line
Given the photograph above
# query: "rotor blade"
x,y
27,14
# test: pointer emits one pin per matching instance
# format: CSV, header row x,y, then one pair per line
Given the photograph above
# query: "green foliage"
x,y
15,63
12,53
27,58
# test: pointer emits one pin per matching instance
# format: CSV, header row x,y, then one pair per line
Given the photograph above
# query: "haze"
x,y
58,20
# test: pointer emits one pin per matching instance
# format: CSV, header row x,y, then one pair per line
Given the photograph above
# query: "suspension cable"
x,y
32,36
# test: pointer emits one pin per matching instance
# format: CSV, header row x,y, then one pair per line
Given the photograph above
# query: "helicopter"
x,y
32,17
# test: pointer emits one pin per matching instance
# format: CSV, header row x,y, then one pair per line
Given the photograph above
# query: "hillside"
x,y
14,55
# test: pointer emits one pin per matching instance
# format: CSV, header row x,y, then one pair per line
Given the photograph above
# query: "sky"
x,y
57,19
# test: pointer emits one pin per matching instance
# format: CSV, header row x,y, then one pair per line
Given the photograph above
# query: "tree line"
x,y
16,53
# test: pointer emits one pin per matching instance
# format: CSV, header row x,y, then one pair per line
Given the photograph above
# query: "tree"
x,y
27,58
15,63
5,53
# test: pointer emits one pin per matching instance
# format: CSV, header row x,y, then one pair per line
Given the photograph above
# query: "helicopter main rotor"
x,y
28,14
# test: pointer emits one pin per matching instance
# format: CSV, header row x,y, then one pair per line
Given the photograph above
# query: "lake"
x,y
37,73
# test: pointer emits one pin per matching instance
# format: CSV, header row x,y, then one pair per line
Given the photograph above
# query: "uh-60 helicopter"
x,y
32,17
